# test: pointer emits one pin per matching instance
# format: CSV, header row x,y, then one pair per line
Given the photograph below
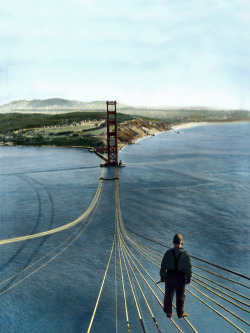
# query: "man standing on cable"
x,y
176,271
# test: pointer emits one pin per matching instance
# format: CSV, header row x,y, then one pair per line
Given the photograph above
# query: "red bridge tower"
x,y
112,133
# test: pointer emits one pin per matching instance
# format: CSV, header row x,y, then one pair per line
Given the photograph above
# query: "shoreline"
x,y
135,140
190,125
204,123
178,127
174,128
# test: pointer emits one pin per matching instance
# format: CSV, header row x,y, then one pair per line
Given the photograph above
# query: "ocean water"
x,y
196,183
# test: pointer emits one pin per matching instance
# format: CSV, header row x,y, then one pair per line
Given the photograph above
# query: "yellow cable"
x,y
46,255
220,285
140,249
196,279
100,292
144,297
218,313
64,227
47,262
156,286
124,292
133,292
223,307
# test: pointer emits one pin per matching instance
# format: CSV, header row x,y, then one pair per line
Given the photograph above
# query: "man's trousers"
x,y
174,283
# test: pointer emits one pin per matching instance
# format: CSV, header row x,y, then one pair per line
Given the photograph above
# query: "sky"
x,y
138,52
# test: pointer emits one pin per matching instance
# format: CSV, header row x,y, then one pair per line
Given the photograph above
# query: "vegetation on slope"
x,y
88,128
68,129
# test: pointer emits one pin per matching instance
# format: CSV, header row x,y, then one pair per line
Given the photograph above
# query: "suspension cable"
x,y
47,262
124,291
143,295
236,299
100,292
220,285
207,262
140,248
155,285
214,302
64,227
207,289
133,292
219,306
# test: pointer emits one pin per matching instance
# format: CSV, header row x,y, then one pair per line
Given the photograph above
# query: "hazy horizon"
x,y
126,104
141,53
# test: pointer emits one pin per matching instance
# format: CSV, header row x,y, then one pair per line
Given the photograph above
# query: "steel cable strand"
x,y
133,291
48,254
223,277
51,259
121,249
220,285
232,313
137,246
128,234
28,181
225,318
154,294
143,295
144,255
217,312
140,250
122,277
124,261
207,262
124,291
234,298
128,250
124,251
147,249
154,250
64,227
100,292
221,314
50,224
116,306
132,240
117,191
225,299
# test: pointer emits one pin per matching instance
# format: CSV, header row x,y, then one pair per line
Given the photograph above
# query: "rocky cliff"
x,y
131,131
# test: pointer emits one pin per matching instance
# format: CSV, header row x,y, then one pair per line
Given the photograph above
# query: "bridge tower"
x,y
112,133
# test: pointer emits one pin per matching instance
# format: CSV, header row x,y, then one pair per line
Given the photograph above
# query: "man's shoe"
x,y
169,315
183,315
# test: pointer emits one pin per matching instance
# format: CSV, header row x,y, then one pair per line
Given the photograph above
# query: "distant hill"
x,y
53,104
60,105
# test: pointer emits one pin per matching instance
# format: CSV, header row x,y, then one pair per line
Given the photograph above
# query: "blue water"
x,y
196,182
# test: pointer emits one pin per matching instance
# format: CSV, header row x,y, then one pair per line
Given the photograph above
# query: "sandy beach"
x,y
189,125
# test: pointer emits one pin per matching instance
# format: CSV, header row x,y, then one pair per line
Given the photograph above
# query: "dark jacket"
x,y
184,263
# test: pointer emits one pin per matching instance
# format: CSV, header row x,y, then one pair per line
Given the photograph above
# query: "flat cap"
x,y
178,239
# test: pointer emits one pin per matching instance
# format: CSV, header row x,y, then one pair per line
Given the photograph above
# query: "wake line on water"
x,y
44,171
64,227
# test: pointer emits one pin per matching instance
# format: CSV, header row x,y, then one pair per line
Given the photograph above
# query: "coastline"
x,y
172,128
140,134
179,127
205,123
